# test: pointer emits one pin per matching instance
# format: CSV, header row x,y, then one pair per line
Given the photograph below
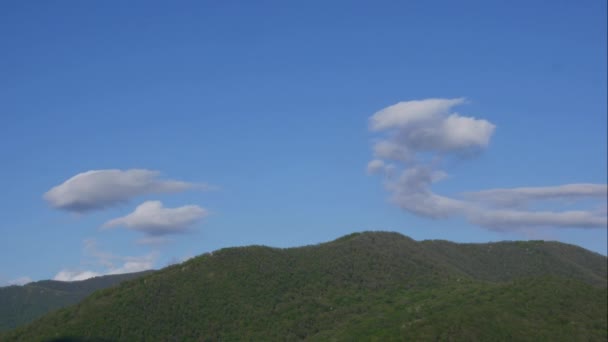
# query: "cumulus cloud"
x,y
409,113
427,126
98,189
414,132
108,262
153,219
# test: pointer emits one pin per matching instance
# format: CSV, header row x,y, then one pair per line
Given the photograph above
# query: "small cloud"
x,y
153,219
135,264
519,219
67,275
410,113
176,260
109,263
521,196
98,189
19,281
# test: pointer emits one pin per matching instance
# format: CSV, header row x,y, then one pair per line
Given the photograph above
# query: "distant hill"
x,y
364,286
23,304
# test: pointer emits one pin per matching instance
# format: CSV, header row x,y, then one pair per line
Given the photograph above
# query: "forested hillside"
x,y
381,286
23,304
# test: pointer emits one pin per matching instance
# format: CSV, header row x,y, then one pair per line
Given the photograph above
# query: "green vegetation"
x,y
23,304
368,286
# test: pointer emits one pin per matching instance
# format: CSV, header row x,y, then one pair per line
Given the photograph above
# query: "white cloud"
x,y
152,218
107,263
411,191
98,189
410,113
415,132
67,275
427,126
386,149
176,260
135,264
521,196
19,281
459,132
519,219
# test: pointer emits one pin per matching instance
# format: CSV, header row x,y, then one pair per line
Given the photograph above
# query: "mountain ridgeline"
x,y
371,286
23,304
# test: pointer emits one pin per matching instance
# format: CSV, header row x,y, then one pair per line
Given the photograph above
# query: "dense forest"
x,y
23,304
372,286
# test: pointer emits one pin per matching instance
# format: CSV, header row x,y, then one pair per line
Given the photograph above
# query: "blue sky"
x,y
271,105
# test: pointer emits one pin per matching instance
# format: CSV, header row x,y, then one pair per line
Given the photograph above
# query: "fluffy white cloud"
x,y
98,189
152,218
427,126
410,113
459,132
415,132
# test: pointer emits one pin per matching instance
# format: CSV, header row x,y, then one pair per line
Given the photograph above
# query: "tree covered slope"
x,y
365,286
23,304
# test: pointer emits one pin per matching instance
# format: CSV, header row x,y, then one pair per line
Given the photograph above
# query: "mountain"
x,y
364,286
23,304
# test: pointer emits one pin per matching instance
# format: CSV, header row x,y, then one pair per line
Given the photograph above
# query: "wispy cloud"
x,y
500,219
416,136
176,260
152,240
152,218
98,189
18,281
106,263
519,196
67,275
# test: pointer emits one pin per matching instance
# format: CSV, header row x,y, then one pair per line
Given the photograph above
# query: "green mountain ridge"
x,y
364,286
23,304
